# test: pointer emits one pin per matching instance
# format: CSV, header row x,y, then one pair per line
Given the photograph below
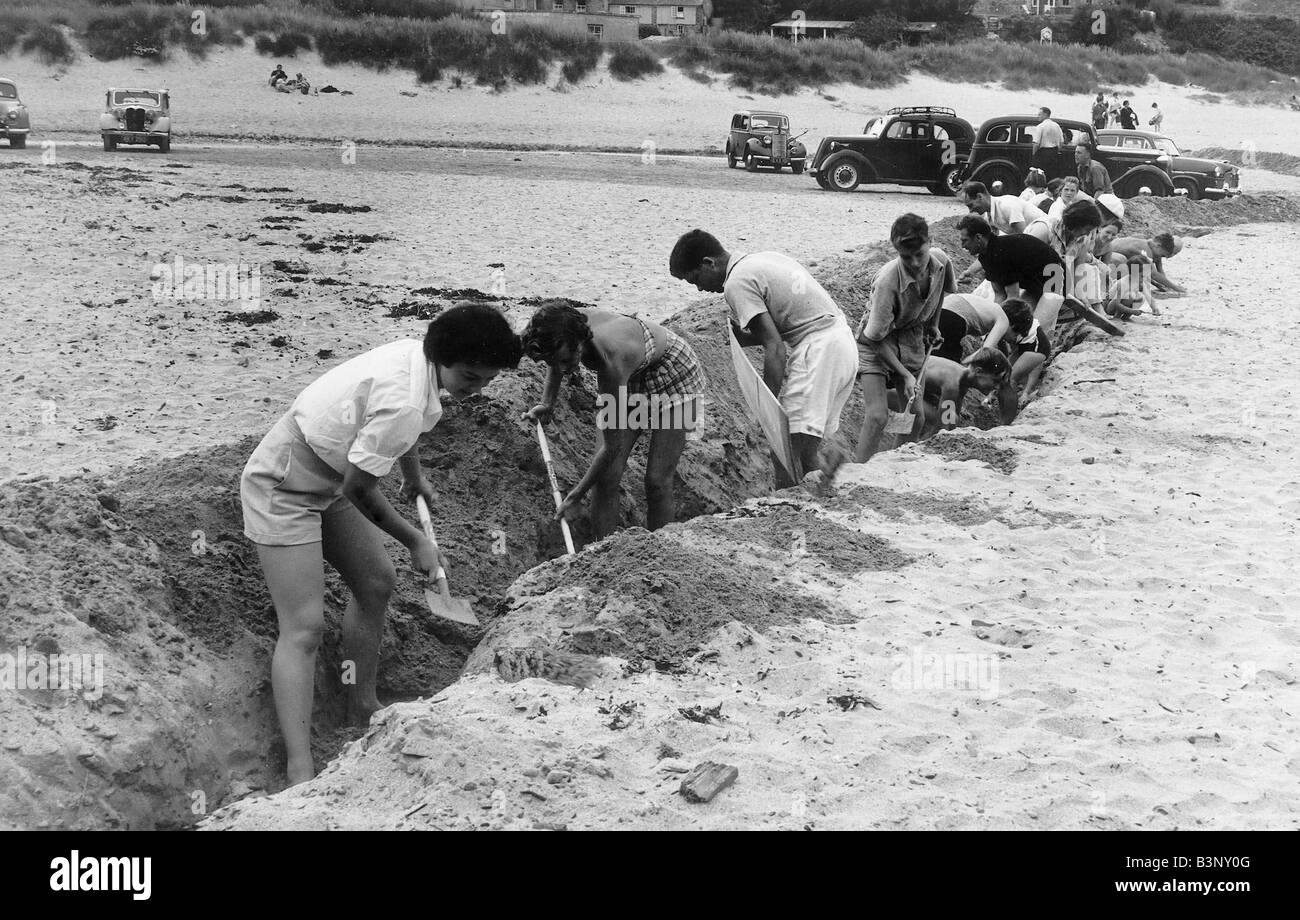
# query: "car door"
x,y
896,150
926,157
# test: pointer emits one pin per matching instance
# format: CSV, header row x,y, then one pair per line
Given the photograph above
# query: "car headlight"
x,y
13,116
767,142
1218,170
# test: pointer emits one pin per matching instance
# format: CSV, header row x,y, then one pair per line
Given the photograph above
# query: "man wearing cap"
x,y
1048,141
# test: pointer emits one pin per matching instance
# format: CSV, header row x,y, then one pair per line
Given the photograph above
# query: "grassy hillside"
x,y
431,38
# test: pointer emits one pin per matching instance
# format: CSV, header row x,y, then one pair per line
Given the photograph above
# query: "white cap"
x,y
1111,203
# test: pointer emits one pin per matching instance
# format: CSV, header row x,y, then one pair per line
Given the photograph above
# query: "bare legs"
x,y
666,446
295,576
875,414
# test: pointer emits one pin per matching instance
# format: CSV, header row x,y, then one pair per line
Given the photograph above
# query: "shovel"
x,y
903,422
442,605
555,485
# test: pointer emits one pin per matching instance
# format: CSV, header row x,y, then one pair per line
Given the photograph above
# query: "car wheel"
x,y
750,163
949,181
797,167
731,158
165,145
109,143
821,180
1193,190
842,173
18,142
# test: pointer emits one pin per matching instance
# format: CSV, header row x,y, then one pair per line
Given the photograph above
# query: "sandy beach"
x,y
1082,620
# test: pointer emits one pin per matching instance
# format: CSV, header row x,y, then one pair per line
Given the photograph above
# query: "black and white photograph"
x,y
671,415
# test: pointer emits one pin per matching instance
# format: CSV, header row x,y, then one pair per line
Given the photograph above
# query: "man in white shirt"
x,y
1005,213
1048,141
810,358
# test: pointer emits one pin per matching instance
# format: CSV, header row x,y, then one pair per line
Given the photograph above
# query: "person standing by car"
x,y
1128,119
1094,180
1048,140
1100,111
1157,118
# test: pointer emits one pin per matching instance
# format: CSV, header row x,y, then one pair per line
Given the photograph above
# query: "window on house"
x,y
681,12
595,28
630,10
582,6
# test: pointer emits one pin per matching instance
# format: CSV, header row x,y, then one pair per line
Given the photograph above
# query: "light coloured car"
x,y
136,116
15,122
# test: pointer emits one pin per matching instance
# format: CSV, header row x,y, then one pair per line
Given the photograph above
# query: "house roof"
x,y
814,23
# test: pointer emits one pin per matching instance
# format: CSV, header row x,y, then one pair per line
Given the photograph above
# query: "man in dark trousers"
x,y
1048,140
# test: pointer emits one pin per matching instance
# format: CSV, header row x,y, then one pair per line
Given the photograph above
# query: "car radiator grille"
x,y
780,147
134,119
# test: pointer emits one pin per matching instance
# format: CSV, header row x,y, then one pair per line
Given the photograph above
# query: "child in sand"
x,y
647,377
310,495
808,352
901,325
1153,251
945,384
1030,348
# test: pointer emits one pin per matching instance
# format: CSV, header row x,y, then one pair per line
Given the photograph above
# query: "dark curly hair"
x,y
472,333
555,324
1020,314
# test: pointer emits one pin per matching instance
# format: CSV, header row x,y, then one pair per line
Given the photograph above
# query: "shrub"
x,y
400,9
286,44
645,31
630,62
582,60
136,30
50,43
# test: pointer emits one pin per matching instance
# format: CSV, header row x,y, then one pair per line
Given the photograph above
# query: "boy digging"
x,y
808,353
900,326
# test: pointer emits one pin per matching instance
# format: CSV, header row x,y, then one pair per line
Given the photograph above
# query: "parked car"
x,y
915,145
136,116
763,139
15,122
1195,177
1003,152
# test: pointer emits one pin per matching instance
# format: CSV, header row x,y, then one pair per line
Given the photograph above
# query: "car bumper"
x,y
7,131
136,137
1218,192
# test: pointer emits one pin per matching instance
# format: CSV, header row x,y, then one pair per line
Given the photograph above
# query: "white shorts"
x,y
819,375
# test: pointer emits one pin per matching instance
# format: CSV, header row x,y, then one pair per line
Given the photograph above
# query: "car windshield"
x,y
7,91
135,97
766,122
874,127
1168,146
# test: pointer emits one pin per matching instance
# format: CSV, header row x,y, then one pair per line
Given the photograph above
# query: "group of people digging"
x,y
310,491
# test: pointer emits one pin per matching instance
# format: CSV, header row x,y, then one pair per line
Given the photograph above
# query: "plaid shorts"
x,y
677,376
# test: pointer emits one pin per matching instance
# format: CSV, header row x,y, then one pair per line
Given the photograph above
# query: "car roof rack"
x,y
922,110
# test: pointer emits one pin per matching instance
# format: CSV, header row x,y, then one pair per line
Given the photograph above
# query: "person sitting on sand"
x,y
278,75
809,357
648,377
1126,297
900,326
1072,239
1030,349
1048,198
968,314
310,494
945,384
1017,264
1153,251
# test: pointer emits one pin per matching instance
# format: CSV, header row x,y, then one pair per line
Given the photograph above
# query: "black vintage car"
x,y
914,145
763,139
1003,152
1194,177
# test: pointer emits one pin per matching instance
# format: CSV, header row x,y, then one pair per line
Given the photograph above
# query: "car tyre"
x,y
949,183
751,165
843,173
18,142
820,176
797,167
1010,181
165,145
109,143
1193,190
731,158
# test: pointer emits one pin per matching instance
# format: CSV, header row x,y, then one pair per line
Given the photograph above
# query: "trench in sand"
x,y
150,567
